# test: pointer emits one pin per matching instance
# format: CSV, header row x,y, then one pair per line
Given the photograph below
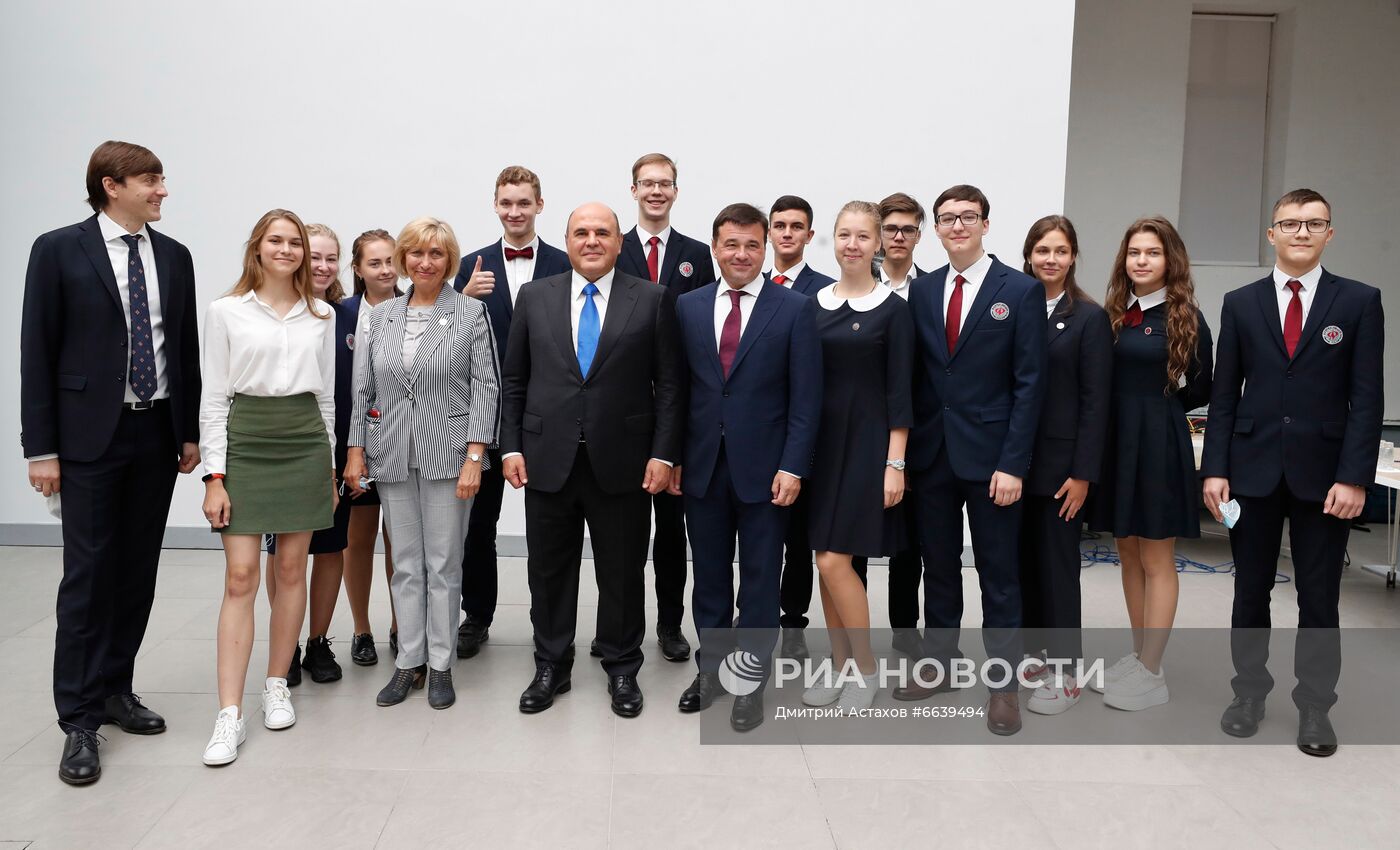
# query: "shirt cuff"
x,y
793,474
511,454
667,462
37,458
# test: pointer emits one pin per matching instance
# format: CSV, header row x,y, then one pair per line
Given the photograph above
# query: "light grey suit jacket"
x,y
448,399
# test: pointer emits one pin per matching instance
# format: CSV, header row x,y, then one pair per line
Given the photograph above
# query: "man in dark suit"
x,y
655,251
1295,422
591,401
980,328
495,274
109,404
790,232
754,363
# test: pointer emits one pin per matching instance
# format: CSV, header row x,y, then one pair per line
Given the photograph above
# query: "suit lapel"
x,y
1060,321
493,261
392,337
1268,305
557,309
621,301
632,247
804,280
97,253
940,326
163,273
439,326
670,260
1317,314
986,294
763,311
540,263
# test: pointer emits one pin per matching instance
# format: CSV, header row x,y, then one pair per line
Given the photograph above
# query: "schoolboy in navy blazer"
x,y
484,274
754,363
1293,432
975,414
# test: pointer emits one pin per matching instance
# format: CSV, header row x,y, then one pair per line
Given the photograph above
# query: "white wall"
x,y
366,114
1334,118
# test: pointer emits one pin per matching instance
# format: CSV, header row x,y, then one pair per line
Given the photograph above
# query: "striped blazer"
x,y
448,399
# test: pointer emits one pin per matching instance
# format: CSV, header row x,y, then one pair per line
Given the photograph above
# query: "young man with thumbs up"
x,y
495,274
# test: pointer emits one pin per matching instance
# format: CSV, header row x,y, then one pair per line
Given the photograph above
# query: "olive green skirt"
x,y
278,470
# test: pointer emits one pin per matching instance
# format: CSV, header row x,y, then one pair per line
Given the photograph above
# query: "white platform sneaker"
x,y
277,705
1136,689
1114,671
229,735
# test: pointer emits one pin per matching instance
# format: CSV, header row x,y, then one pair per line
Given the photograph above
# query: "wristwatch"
x,y
474,457
895,464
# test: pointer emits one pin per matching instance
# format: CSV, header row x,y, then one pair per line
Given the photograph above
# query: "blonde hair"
x,y
422,232
654,159
253,275
335,291
860,208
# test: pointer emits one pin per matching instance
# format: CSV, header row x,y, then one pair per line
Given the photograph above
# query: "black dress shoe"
x,y
674,646
320,662
130,715
394,643
626,696
470,636
1315,734
549,680
795,645
747,713
80,764
403,681
1241,719
441,694
362,650
593,649
701,693
294,672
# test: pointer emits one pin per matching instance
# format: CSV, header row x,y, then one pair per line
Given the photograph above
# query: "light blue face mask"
x,y
1230,513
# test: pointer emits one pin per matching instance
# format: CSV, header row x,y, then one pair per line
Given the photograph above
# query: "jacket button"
x,y
1288,420
947,407
726,394
1290,374
947,371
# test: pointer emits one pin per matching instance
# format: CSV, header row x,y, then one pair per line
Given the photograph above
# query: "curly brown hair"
x,y
1182,309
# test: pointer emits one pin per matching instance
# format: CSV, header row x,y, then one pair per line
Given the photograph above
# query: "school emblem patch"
x,y
350,341
1331,334
686,269
1000,311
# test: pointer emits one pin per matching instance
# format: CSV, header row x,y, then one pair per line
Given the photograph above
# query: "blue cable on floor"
x,y
1099,553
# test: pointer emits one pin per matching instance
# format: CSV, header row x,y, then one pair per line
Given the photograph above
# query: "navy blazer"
x,y
766,412
809,280
686,265
549,261
347,316
984,400
1069,441
1314,419
73,338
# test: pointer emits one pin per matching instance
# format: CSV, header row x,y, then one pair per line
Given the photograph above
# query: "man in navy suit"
x,y
790,232
754,363
109,408
980,328
1295,422
655,251
495,274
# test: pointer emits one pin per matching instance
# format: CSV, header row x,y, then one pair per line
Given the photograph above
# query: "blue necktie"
x,y
142,373
588,330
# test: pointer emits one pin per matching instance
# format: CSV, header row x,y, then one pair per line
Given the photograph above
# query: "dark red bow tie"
x,y
520,254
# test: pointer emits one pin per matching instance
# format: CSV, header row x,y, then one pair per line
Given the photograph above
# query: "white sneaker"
x,y
1136,689
1116,670
277,705
820,695
860,695
229,735
1054,697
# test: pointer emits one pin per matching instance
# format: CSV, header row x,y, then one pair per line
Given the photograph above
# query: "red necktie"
x,y
779,279
1132,317
654,259
1293,319
521,253
955,313
729,337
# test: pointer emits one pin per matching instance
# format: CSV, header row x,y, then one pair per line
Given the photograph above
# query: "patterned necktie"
x,y
588,330
955,313
729,337
520,253
142,372
1132,317
1293,319
654,259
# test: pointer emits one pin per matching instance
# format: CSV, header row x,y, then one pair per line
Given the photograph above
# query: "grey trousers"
x,y
428,525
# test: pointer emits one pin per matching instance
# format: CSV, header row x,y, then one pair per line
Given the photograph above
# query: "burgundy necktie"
x,y
1133,316
955,313
779,279
654,259
520,253
729,337
1293,319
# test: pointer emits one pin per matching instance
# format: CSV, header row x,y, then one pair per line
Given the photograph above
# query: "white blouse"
x,y
250,349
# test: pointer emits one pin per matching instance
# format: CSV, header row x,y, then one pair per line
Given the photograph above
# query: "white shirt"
x,y
250,349
746,302
519,271
973,276
119,254
827,298
600,300
1309,280
1052,303
415,324
1150,300
664,236
901,287
790,275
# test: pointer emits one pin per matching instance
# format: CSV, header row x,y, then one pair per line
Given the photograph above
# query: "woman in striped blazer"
x,y
427,389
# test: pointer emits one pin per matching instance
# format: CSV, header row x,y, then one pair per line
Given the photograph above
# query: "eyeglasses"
x,y
968,219
909,231
1293,225
652,184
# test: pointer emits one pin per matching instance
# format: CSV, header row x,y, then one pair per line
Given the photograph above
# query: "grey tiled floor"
x,y
483,775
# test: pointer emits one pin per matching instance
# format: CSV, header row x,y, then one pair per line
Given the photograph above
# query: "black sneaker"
x,y
362,650
294,672
320,661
